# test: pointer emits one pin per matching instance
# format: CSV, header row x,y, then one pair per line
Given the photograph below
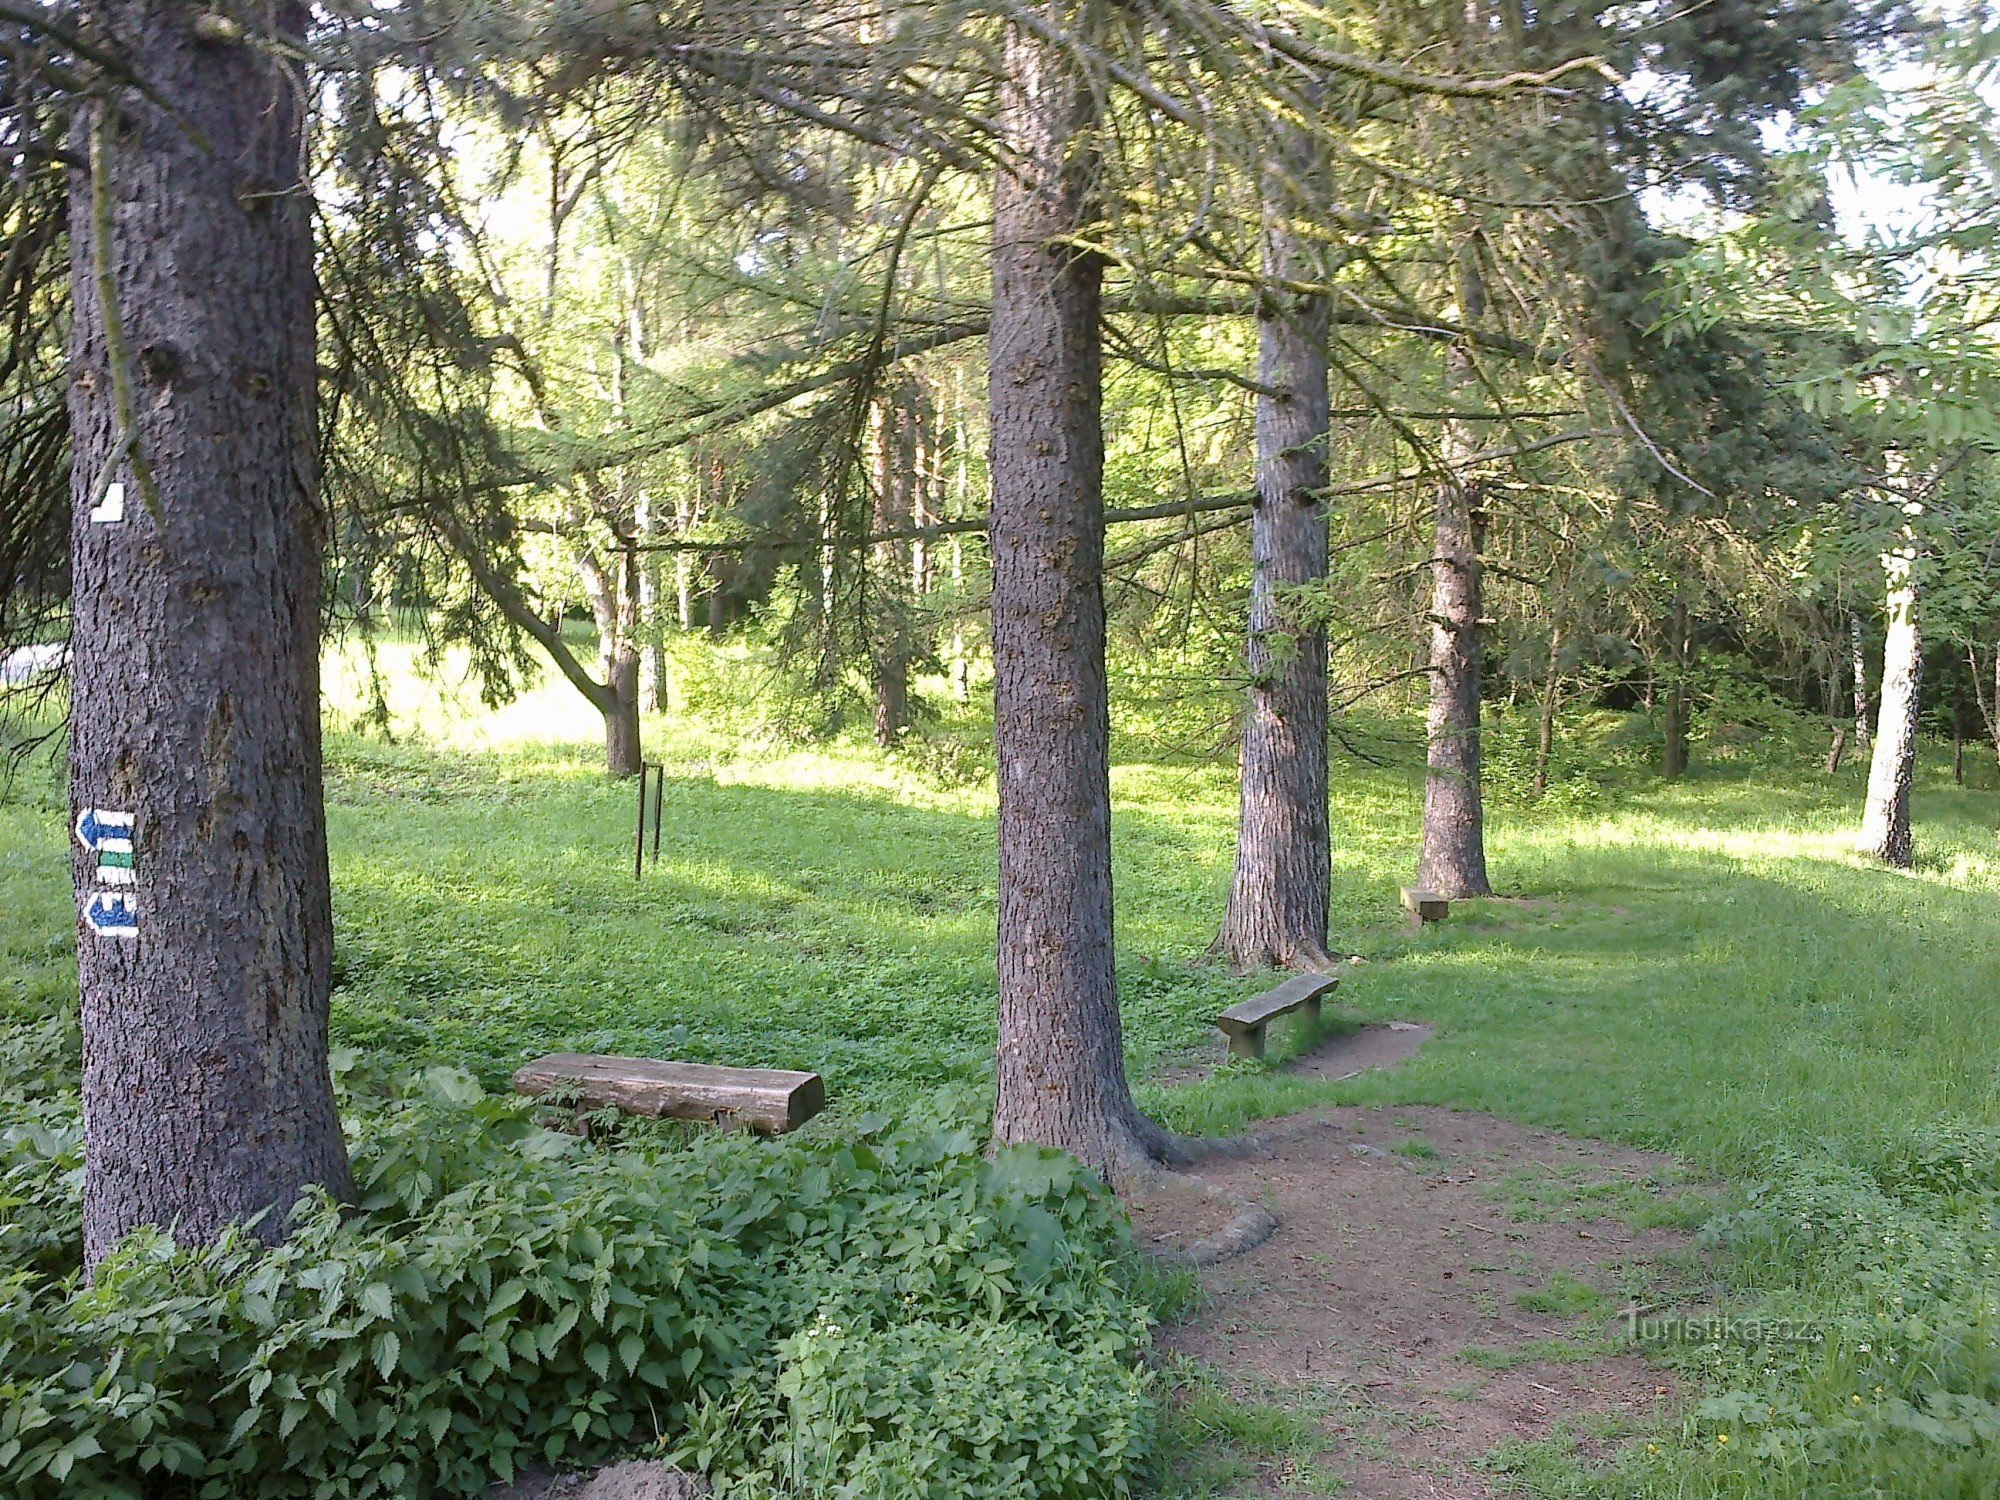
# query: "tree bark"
x,y
1453,858
1277,912
614,606
1060,1066
204,946
1885,823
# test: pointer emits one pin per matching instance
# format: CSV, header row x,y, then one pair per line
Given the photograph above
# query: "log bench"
x,y
1244,1023
1424,906
767,1099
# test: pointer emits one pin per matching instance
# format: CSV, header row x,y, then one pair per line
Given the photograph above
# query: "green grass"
x,y
1220,1442
1702,968
1564,1296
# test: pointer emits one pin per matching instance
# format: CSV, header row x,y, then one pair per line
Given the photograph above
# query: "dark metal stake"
x,y
639,833
659,806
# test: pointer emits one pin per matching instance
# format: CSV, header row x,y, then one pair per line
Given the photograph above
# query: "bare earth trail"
x,y
1440,1284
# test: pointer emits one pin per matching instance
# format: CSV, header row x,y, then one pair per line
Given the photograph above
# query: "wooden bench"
x,y
1244,1024
1425,906
766,1099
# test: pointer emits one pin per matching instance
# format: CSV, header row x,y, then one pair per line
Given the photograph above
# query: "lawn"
x,y
1702,968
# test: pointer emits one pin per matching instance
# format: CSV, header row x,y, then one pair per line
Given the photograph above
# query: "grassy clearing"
x,y
1702,968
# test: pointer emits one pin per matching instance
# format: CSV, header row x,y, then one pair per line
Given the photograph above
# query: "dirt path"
x,y
1441,1285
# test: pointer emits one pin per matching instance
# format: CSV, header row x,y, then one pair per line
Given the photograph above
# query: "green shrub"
x,y
1887,1261
501,1295
934,1410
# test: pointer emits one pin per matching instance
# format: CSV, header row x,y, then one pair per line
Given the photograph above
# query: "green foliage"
x,y
934,1409
41,1147
501,1295
1888,1257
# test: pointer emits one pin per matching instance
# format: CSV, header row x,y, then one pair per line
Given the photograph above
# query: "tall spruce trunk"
x,y
204,945
1060,1066
1453,857
1277,912
1885,820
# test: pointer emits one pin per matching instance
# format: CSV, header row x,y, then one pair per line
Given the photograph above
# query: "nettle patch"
x,y
885,1313
1883,1265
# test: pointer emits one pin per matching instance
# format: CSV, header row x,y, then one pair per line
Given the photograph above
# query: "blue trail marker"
x,y
108,835
98,830
113,914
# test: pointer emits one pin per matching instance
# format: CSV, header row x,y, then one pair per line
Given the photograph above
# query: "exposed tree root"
x,y
1250,957
1250,1224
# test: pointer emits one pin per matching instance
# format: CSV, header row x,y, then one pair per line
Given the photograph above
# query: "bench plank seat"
x,y
768,1099
1244,1023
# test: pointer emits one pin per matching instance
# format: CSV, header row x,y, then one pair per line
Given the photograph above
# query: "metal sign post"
x,y
654,776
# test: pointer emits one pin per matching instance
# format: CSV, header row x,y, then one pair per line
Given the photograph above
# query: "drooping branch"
x,y
515,606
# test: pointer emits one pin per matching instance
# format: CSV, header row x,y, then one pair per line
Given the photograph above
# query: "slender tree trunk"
x,y
926,428
1860,659
1885,823
1674,755
1060,1067
652,621
1989,724
1995,721
717,604
1545,728
204,932
889,640
687,509
614,605
1277,910
622,754
1453,858
961,655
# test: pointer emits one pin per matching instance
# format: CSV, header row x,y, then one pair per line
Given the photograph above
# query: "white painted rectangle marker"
x,y
111,509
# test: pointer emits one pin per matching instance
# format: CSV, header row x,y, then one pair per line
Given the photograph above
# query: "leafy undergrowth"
x,y
1881,1269
884,1313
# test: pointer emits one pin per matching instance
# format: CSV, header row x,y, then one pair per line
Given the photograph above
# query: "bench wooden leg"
x,y
1312,1009
1247,1043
